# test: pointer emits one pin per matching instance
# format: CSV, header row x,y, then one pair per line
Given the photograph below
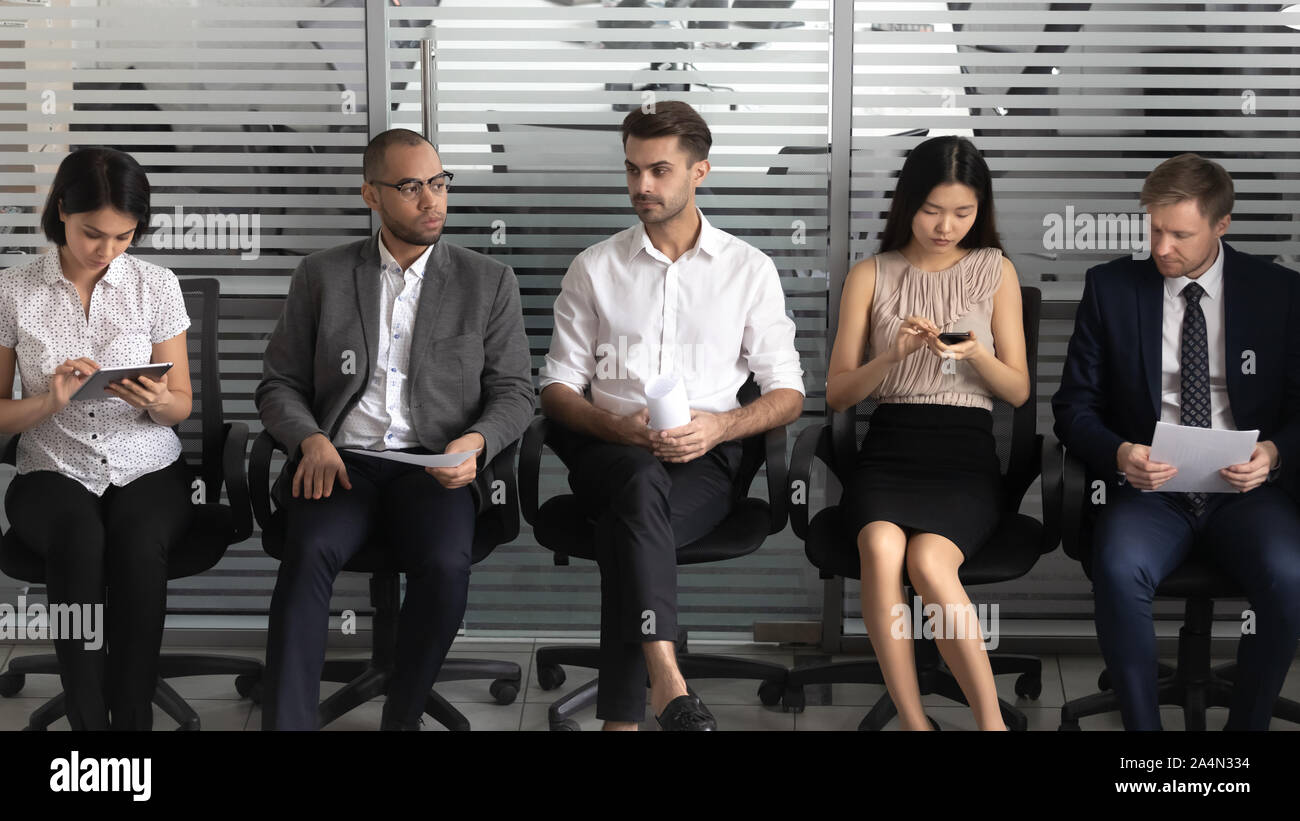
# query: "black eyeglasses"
x,y
412,189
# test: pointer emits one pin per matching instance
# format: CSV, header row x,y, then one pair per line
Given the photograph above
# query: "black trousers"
x,y
644,511
109,551
431,532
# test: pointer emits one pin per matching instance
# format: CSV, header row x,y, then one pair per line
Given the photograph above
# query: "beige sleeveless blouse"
x,y
959,298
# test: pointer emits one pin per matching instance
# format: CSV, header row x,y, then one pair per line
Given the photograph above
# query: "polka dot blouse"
x,y
134,306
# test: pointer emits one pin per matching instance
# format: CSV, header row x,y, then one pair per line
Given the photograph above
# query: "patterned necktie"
x,y
1194,407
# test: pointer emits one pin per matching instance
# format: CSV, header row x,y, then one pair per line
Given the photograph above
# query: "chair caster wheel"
x,y
1029,686
30,729
11,684
793,700
247,684
191,726
1068,726
1103,681
568,725
504,691
769,692
550,676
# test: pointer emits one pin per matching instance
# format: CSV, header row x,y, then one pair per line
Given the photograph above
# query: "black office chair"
x,y
214,451
1009,553
364,679
1193,684
562,525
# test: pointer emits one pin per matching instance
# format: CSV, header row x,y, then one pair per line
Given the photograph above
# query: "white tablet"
x,y
102,378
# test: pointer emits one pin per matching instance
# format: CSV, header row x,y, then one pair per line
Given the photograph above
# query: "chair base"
x,y
364,679
932,675
1193,684
772,690
169,666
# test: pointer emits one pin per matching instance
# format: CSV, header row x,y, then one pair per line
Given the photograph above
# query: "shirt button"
x,y
390,436
397,336
94,436
394,370
103,461
92,413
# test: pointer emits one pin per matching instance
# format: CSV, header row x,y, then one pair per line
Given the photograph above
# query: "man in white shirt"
x,y
672,296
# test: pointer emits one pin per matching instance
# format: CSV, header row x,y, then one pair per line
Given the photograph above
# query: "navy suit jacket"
x,y
1110,386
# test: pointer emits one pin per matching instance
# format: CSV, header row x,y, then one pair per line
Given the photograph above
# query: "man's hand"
x,y
1135,463
692,440
1249,475
634,429
319,467
464,473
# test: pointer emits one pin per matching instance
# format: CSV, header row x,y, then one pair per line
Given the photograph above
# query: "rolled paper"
x,y
665,396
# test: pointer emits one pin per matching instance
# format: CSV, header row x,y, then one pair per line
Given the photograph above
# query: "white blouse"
x,y
134,306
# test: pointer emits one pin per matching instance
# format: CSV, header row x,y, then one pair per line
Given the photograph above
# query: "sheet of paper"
x,y
431,460
1199,454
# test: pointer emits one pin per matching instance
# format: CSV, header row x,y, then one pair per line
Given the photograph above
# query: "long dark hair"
x,y
91,178
938,161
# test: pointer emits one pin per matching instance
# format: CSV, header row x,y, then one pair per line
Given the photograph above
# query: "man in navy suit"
x,y
1200,335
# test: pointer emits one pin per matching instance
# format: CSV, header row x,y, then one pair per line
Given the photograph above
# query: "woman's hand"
x,y
66,379
971,349
911,337
143,393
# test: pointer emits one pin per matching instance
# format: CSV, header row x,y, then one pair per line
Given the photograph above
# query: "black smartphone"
x,y
955,338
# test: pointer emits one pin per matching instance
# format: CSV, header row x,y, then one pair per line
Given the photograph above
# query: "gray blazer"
x,y
470,368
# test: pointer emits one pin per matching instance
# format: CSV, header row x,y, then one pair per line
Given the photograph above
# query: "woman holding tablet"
x,y
927,488
102,492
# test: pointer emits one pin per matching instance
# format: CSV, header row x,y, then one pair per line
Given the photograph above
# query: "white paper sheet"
x,y
431,460
665,396
1199,454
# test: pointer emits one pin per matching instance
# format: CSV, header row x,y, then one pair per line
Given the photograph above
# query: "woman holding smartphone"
x,y
102,492
927,488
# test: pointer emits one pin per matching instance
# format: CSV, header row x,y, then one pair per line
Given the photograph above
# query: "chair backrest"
x,y
1014,429
202,435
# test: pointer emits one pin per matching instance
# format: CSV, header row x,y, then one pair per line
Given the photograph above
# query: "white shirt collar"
x,y
386,258
710,240
1211,281
53,269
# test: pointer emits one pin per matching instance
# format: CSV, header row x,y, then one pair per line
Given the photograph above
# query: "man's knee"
x,y
644,485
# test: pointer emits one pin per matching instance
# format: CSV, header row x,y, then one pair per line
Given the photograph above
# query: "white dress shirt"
x,y
1175,306
626,314
133,307
381,420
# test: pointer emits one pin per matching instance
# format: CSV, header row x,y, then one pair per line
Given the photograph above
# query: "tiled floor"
x,y
734,703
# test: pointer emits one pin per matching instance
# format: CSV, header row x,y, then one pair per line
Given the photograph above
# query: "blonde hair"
x,y
1190,177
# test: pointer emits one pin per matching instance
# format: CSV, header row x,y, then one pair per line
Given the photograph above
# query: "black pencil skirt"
x,y
928,469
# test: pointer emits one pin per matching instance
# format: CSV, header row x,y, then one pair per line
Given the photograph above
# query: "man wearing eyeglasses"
x,y
399,342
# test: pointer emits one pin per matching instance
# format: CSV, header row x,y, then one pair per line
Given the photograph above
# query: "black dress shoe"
x,y
686,713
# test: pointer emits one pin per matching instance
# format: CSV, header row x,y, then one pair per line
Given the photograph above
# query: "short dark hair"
x,y
1190,177
668,119
939,161
92,178
372,163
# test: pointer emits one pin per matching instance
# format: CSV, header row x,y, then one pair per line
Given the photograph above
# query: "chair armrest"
x,y
777,477
235,475
503,470
1074,495
259,477
530,462
814,440
1053,463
